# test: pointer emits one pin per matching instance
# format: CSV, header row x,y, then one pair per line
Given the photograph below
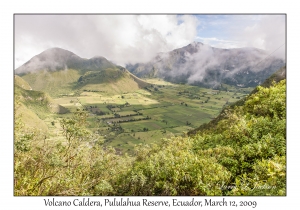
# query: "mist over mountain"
x,y
203,65
59,59
196,64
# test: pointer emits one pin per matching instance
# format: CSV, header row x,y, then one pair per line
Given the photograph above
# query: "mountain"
x,y
58,72
200,64
55,59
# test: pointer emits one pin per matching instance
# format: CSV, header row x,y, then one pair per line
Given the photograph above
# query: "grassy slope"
x,y
22,83
111,81
53,82
141,83
38,101
65,82
34,106
276,77
30,119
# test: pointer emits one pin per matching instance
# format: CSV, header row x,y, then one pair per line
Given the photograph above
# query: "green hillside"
x,y
70,82
29,118
109,81
32,107
141,83
60,72
22,83
276,77
53,82
38,101
244,153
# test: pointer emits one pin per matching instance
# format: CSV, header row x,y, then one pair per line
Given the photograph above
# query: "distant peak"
x,y
195,43
57,50
97,57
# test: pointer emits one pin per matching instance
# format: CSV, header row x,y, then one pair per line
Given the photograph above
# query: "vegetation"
x,y
55,83
21,83
114,80
243,153
169,111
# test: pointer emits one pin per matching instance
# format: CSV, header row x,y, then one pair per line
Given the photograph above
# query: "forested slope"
x,y
274,78
244,153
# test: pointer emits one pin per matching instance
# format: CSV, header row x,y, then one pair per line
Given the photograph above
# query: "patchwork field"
x,y
149,114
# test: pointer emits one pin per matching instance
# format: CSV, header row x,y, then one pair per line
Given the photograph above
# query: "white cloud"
x,y
268,33
219,43
138,38
120,38
265,32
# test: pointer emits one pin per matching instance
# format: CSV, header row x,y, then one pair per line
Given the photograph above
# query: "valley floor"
x,y
147,115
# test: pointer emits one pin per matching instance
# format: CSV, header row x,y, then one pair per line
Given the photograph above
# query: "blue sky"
x,y
215,30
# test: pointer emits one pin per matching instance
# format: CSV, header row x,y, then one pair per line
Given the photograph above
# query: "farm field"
x,y
146,115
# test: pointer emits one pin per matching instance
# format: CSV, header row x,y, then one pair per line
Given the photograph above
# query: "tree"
x,y
74,131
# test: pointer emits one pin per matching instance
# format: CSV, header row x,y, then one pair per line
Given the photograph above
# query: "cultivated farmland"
x,y
146,115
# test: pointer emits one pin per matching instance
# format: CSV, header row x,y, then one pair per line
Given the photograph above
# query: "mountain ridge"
x,y
61,72
203,65
54,59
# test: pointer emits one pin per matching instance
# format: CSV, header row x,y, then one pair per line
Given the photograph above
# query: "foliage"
x,y
256,136
174,170
74,167
244,153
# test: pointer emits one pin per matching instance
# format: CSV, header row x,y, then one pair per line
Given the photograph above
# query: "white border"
x,y
8,8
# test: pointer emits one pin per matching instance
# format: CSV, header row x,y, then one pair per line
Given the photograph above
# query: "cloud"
x,y
199,63
268,34
219,43
120,38
127,39
265,32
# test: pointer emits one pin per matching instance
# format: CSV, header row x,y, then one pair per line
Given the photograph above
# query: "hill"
x,y
22,83
244,154
61,72
38,101
203,65
29,118
55,59
33,106
275,77
111,81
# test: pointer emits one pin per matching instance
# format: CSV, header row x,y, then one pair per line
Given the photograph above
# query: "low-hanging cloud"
x,y
120,38
200,63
